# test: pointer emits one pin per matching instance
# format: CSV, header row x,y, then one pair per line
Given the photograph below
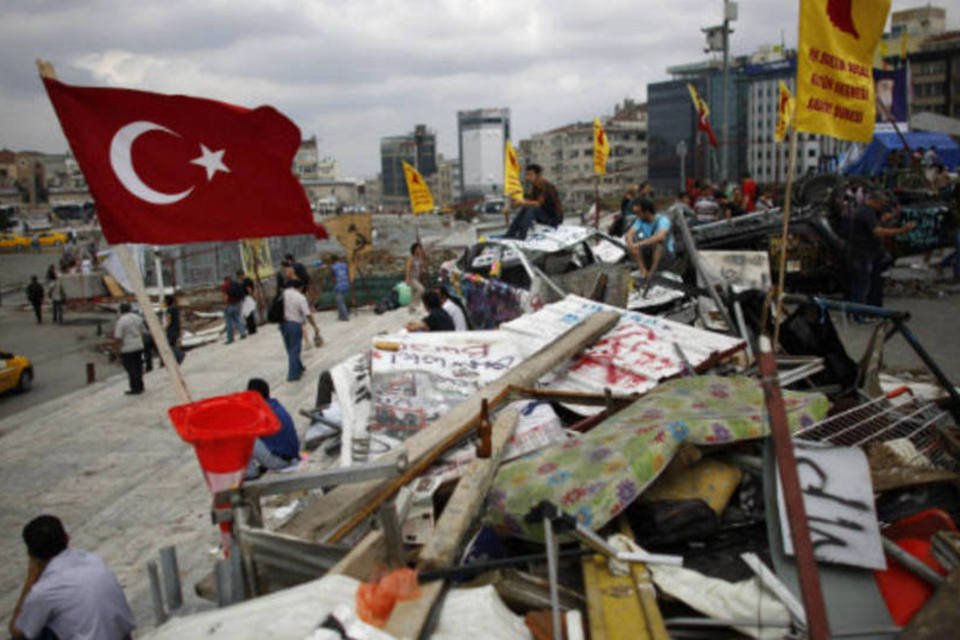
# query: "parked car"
x,y
16,373
499,279
13,241
52,238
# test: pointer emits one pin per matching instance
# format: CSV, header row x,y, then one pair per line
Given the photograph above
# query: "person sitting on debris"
x,y
280,450
649,240
542,206
453,310
68,593
436,319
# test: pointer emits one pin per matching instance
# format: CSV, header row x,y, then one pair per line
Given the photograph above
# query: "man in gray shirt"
x,y
68,594
128,332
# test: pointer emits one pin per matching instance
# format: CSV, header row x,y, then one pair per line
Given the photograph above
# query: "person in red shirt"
x,y
749,189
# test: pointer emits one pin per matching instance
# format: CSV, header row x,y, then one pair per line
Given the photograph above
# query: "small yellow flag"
x,y
601,148
835,93
884,49
512,186
421,200
903,44
785,107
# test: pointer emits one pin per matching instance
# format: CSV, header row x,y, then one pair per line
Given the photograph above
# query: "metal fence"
x,y
204,264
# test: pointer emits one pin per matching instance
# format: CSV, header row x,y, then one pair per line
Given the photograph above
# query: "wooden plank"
x,y
367,556
467,500
344,504
409,620
409,617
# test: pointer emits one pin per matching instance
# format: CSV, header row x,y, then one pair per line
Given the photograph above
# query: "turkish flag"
x,y
165,169
703,124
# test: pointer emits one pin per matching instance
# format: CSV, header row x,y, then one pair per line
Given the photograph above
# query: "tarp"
x,y
873,159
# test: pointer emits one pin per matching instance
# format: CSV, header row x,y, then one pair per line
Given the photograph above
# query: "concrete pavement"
x,y
112,467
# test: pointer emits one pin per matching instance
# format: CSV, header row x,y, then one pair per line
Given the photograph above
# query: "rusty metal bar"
x,y
817,624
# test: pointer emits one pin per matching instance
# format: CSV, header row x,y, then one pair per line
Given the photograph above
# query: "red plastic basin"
x,y
222,429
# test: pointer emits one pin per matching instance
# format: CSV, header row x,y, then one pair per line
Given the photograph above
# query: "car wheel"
x,y
26,381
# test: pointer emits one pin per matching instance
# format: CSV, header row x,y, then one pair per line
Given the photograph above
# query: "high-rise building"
x,y
481,135
445,185
935,74
767,159
418,149
306,160
566,155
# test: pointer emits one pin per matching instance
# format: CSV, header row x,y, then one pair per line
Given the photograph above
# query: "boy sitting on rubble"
x,y
649,239
280,450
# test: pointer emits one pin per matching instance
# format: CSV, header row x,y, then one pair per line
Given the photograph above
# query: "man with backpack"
x,y
233,295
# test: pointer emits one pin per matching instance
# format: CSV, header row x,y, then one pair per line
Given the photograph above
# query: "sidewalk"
x,y
114,470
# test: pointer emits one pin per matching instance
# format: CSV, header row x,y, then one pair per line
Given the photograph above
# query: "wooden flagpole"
x,y
132,269
170,363
787,201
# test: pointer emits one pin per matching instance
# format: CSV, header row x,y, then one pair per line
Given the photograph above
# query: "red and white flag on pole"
x,y
165,169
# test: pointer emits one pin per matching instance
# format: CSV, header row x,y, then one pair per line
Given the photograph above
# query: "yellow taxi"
x,y
13,241
16,373
52,238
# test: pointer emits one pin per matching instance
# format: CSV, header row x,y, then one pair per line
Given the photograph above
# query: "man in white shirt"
x,y
128,332
453,310
68,593
296,311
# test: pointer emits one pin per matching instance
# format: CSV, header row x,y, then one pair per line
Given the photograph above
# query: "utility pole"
x,y
729,15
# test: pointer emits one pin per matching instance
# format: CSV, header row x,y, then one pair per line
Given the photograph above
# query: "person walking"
x,y
57,297
416,271
173,328
34,293
233,295
128,333
340,273
296,311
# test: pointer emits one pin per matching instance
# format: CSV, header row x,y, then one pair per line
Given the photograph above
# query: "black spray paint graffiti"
x,y
822,536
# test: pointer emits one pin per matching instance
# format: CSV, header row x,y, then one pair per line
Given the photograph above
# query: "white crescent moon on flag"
x,y
122,163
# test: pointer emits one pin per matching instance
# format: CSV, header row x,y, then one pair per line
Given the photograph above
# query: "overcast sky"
x,y
351,71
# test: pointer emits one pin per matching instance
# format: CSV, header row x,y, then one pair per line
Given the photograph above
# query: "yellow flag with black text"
x,y
601,148
512,186
785,107
837,43
421,200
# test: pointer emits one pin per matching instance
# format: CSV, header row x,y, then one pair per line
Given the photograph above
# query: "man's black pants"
x,y
133,363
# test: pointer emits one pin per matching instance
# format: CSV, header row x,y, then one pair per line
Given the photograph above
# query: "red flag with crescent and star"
x,y
166,169
703,115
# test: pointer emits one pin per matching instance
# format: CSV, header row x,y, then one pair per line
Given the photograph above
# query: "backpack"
x,y
275,312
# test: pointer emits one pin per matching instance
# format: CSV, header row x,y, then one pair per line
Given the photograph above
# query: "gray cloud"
x,y
353,71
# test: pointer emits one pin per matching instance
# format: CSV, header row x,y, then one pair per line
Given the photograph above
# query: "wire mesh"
x,y
908,420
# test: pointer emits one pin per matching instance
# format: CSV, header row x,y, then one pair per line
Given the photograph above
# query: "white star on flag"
x,y
212,161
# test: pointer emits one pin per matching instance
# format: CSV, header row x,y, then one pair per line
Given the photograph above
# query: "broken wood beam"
x,y
462,509
339,511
